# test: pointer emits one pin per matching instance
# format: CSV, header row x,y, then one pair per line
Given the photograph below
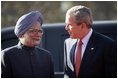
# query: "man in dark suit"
x,y
87,54
26,60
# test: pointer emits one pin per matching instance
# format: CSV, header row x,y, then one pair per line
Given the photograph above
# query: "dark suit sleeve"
x,y
5,66
111,61
52,68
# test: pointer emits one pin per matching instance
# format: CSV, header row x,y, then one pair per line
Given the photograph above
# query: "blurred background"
x,y
54,11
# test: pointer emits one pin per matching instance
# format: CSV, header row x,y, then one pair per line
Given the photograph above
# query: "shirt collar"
x,y
25,47
87,37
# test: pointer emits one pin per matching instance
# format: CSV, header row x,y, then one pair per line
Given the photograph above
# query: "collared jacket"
x,y
99,59
21,61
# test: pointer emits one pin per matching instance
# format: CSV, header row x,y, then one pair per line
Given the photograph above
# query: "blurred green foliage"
x,y
54,11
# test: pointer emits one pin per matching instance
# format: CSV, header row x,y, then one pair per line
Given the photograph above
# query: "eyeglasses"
x,y
35,31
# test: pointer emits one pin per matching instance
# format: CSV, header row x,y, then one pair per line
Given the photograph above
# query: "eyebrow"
x,y
35,29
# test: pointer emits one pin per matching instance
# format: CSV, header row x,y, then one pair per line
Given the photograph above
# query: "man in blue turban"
x,y
26,21
26,60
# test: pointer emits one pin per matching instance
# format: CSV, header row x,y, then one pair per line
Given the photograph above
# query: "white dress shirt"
x,y
84,41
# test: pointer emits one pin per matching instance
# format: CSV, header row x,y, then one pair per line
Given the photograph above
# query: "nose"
x,y
39,34
67,27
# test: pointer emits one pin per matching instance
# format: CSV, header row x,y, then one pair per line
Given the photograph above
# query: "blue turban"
x,y
26,21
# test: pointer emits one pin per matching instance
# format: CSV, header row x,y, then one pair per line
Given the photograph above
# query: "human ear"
x,y
83,25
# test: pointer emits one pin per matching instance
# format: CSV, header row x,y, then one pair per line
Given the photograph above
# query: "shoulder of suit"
x,y
10,49
103,38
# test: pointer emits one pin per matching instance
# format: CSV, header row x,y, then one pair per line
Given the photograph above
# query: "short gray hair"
x,y
81,14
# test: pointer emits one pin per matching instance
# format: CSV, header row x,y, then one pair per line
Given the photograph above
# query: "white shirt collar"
x,y
87,37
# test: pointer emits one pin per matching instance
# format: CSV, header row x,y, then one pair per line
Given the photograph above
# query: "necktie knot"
x,y
80,42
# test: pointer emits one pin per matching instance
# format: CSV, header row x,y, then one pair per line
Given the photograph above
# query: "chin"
x,y
73,37
36,43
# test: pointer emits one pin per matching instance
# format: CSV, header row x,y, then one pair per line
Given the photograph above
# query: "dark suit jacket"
x,y
21,61
99,59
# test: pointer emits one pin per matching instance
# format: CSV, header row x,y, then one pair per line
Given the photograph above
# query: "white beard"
x,y
36,42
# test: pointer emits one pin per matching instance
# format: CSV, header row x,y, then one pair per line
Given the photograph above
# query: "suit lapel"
x,y
89,52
